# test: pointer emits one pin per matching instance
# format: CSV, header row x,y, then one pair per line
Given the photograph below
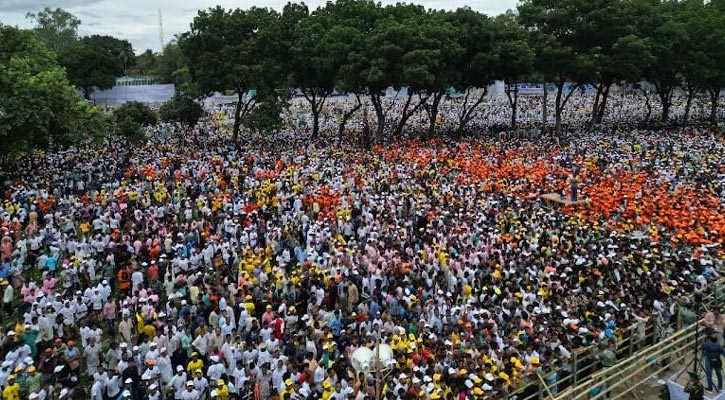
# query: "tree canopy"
x,y
39,108
363,48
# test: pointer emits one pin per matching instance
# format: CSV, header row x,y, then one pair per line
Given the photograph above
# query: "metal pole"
x,y
698,305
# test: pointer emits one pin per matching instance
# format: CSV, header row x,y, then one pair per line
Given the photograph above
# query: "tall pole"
x,y
161,32
698,305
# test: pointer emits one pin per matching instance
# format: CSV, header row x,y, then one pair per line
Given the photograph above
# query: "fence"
x,y
642,358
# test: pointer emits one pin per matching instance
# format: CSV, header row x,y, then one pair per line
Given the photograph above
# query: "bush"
x,y
135,111
182,109
130,130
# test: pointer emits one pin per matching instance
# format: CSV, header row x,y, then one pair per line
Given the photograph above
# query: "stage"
x,y
676,385
555,198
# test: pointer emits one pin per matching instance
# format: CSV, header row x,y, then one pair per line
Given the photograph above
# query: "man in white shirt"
x,y
190,393
178,381
201,384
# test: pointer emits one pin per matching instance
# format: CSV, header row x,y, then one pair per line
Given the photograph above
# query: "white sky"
x,y
137,20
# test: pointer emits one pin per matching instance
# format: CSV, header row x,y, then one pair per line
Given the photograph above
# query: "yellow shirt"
x,y
223,393
194,366
12,392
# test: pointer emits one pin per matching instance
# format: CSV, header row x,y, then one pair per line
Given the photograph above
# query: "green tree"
x,y
136,111
477,67
312,68
238,50
169,61
345,40
95,62
39,109
668,39
514,55
702,71
267,115
146,63
711,37
57,29
181,108
430,64
562,56
131,117
119,49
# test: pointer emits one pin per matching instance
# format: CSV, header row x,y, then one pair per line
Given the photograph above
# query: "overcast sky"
x,y
137,20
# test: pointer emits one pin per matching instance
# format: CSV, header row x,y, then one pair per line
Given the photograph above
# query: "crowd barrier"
x,y
640,360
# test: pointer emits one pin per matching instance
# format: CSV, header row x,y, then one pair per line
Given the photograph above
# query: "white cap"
x,y
128,380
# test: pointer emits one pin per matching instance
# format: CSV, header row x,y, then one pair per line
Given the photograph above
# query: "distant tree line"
x,y
362,48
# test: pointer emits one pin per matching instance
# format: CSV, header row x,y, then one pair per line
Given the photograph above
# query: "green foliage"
x,y
182,108
95,62
39,109
137,112
239,50
146,63
168,62
57,29
267,115
127,128
130,118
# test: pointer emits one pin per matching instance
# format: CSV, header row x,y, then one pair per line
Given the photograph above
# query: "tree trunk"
x,y
513,102
466,113
87,93
366,129
665,95
315,125
317,102
346,117
595,108
407,114
237,120
688,105
558,108
398,131
432,111
665,112
561,101
380,129
647,104
603,104
714,100
544,110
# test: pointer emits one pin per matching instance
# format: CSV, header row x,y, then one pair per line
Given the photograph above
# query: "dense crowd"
x,y
188,268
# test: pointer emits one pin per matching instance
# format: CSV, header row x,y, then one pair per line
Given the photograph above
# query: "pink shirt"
x,y
109,310
49,285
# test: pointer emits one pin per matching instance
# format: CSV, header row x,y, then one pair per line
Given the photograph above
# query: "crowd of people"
x,y
189,268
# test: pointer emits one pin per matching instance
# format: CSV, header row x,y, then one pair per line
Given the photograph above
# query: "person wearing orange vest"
x,y
124,280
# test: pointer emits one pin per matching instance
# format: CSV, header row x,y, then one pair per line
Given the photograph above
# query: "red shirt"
x,y
154,272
